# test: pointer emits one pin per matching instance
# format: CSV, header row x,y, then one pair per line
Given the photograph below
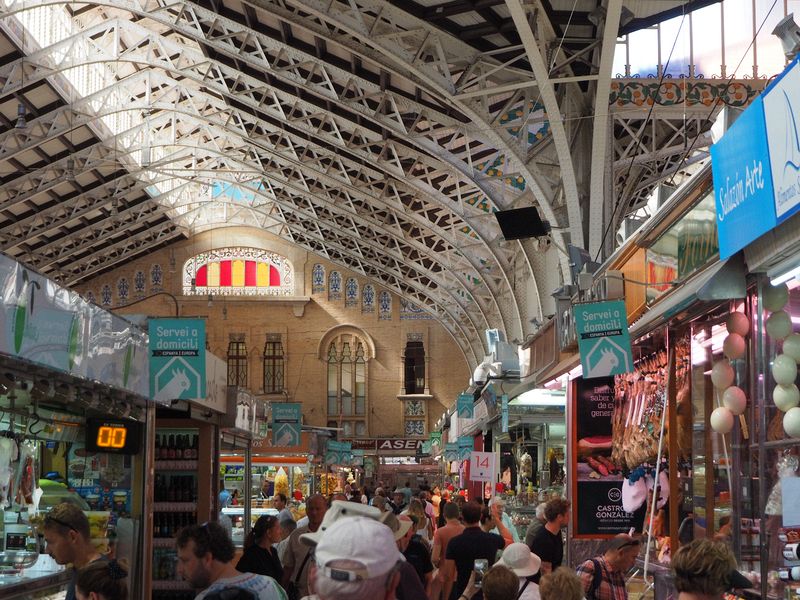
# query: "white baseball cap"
x,y
341,509
519,558
356,548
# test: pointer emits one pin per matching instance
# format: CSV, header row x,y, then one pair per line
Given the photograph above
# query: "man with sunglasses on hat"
x,y
205,562
66,531
603,577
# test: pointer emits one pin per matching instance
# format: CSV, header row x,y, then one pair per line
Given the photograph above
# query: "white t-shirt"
x,y
265,588
531,591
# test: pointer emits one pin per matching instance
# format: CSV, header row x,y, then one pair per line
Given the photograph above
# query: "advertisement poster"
x,y
286,424
597,490
603,340
177,359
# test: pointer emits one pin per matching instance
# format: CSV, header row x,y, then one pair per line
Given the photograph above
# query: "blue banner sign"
x,y
177,359
603,340
286,424
450,452
465,447
743,192
465,406
782,115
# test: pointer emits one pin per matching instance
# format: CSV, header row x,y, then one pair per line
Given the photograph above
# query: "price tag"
x,y
481,466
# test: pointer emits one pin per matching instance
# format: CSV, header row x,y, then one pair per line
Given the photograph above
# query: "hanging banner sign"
x,y
286,418
782,115
338,453
358,458
435,438
465,406
743,192
177,359
450,452
603,340
597,491
481,466
504,413
465,447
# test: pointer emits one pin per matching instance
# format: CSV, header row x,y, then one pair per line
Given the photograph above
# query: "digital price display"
x,y
118,436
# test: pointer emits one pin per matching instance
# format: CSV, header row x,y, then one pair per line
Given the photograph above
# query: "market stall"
x,y
73,389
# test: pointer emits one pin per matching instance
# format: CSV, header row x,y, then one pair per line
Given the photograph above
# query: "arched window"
x,y
238,271
347,385
273,364
237,361
335,286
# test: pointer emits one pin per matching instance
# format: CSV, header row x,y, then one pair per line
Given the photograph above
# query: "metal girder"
x,y
649,151
114,252
226,141
547,91
95,34
601,130
415,49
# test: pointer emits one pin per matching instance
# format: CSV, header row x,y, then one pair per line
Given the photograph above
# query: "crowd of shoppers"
x,y
418,547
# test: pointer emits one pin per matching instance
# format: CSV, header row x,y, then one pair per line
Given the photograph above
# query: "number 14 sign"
x,y
481,466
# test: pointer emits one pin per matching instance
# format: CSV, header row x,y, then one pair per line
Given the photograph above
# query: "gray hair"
x,y
540,511
330,589
379,502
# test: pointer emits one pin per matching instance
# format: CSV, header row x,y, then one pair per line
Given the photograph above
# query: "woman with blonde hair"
x,y
705,570
561,584
423,524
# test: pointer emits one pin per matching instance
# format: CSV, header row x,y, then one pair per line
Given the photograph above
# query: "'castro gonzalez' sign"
x,y
743,192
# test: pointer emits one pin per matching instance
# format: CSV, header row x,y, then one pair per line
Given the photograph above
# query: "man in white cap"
x,y
356,557
525,564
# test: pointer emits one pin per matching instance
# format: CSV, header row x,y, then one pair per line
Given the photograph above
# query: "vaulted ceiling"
x,y
379,134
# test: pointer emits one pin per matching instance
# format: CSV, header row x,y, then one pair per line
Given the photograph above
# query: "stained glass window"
x,y
239,272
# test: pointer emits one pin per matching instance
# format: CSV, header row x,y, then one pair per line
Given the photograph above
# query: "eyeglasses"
x,y
52,519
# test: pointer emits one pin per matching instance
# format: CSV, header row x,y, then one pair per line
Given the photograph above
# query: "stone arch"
x,y
334,332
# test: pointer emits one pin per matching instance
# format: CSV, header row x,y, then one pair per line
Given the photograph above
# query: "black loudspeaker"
x,y
521,223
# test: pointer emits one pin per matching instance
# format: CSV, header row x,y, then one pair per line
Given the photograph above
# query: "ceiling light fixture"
x,y
69,172
22,121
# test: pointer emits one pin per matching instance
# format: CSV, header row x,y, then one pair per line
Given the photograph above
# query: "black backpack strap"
x,y
522,589
302,566
597,577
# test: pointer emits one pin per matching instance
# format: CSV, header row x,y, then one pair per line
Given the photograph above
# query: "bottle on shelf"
x,y
171,452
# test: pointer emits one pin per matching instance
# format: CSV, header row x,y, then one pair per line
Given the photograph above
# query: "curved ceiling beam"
x,y
547,92
46,219
425,54
35,71
601,172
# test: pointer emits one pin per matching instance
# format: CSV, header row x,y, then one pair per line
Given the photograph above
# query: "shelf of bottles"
x,y
175,506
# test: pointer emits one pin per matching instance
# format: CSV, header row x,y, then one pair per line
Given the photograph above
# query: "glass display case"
x,y
48,462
